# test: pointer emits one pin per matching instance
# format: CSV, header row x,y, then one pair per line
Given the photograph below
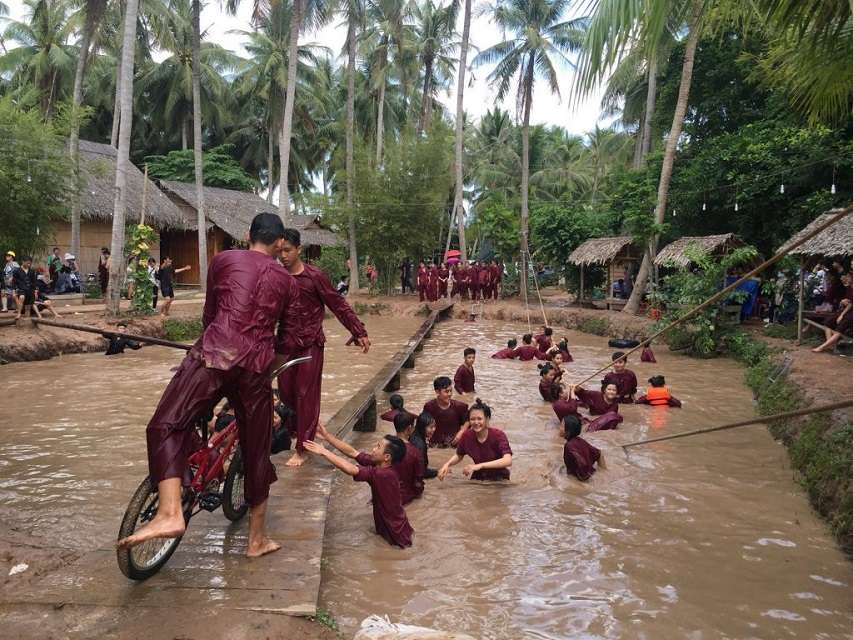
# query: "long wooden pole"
x,y
727,290
821,326
112,334
744,423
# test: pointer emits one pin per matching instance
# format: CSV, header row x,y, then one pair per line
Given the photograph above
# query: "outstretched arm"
x,y
343,312
445,468
344,447
341,463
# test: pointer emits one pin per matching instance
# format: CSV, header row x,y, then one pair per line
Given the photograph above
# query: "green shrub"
x,y
595,326
784,331
182,329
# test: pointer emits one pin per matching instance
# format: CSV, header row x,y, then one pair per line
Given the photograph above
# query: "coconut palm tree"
x,y
494,162
565,166
4,11
197,143
459,137
435,34
541,40
354,13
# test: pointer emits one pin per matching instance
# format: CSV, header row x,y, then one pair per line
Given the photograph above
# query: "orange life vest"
x,y
657,396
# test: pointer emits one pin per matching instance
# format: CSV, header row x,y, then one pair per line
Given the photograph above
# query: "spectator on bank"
x,y
104,270
8,284
152,278
54,264
166,276
26,283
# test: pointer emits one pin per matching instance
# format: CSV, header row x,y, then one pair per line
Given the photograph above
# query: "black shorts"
x,y
29,297
167,292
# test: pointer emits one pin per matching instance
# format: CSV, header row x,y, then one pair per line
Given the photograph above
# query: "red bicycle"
x,y
215,463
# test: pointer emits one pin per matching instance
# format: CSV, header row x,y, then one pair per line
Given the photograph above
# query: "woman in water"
x,y
486,446
549,385
424,428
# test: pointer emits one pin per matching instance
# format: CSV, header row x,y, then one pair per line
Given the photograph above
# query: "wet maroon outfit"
x,y
423,283
504,354
474,282
410,471
550,390
565,407
443,276
528,352
626,384
463,381
543,342
389,415
447,421
580,458
595,401
300,386
388,513
247,294
495,447
432,288
609,420
647,355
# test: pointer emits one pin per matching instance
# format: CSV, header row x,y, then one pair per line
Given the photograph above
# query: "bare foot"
x,y
159,527
262,548
296,460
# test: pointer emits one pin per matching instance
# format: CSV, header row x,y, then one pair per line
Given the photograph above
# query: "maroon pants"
x,y
194,391
300,390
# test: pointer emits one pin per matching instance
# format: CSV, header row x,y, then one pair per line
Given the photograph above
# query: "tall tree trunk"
x,y
117,269
525,174
460,117
648,117
184,137
380,120
422,119
350,160
270,162
116,105
197,152
287,118
633,304
637,163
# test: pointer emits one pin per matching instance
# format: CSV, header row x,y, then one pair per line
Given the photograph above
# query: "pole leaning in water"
x,y
724,292
113,334
744,423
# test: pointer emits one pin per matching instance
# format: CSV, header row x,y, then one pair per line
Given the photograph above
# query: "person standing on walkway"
x,y
166,276
300,390
104,270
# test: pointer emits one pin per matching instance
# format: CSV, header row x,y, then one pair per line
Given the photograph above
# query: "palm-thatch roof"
x,y
836,240
233,212
97,196
599,250
675,253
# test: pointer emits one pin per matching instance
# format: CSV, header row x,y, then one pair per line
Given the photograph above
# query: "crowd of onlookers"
x,y
25,285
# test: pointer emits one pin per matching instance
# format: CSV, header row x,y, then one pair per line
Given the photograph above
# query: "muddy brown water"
x,y
700,538
707,537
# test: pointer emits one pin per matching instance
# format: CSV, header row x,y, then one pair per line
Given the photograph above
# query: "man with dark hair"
x,y
624,379
509,352
527,350
543,340
451,416
300,390
248,293
166,276
26,286
464,379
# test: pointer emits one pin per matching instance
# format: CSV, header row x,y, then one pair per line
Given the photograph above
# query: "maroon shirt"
x,y
543,341
315,294
463,381
647,355
609,420
248,292
410,471
527,352
484,276
550,390
596,402
393,413
504,354
447,421
423,277
626,384
495,447
388,513
565,407
567,357
580,458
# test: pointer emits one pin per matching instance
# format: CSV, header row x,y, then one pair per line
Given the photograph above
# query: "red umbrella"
x,y
453,253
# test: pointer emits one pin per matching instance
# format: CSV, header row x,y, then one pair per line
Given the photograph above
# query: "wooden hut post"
x,y
144,194
801,302
580,297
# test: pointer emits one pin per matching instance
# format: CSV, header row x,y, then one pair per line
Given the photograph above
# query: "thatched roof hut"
x,y
618,253
599,250
675,253
97,197
836,240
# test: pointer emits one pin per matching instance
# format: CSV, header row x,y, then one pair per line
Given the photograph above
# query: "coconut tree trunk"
x,y
633,304
649,115
270,162
525,174
184,136
123,157
116,105
380,119
287,117
197,152
460,117
422,119
350,159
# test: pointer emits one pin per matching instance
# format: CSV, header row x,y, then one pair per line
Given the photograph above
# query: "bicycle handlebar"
x,y
286,365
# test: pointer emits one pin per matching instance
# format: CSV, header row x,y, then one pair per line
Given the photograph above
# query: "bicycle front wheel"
x,y
234,504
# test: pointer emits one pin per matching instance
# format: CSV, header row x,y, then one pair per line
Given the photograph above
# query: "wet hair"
x,y
563,345
421,424
527,338
657,381
396,448
546,368
396,401
293,236
512,344
619,355
469,351
27,259
266,228
403,421
572,426
479,405
609,384
441,382
103,250
56,248
549,331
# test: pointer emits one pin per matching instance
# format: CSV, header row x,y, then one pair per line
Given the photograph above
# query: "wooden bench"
x,y
67,299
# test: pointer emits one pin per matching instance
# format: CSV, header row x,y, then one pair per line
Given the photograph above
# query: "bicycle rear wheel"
x,y
234,504
144,560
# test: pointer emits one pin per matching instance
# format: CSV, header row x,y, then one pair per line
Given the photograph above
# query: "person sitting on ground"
x,y
579,456
343,286
623,378
282,419
26,286
543,340
424,428
396,401
486,446
509,352
527,351
388,513
842,322
658,395
549,387
604,404
43,302
451,416
464,379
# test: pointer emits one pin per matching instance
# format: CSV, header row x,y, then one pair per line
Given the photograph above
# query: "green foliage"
x,y
333,261
783,331
138,247
500,224
326,619
595,326
558,229
219,166
35,179
182,329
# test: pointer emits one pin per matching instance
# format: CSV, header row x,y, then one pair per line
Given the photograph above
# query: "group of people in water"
x,y
477,281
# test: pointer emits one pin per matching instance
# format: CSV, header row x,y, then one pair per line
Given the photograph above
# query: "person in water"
x,y
300,390
424,428
508,353
464,379
544,340
248,294
486,446
451,416
622,377
527,351
389,516
579,456
658,395
396,401
562,347
549,386
604,404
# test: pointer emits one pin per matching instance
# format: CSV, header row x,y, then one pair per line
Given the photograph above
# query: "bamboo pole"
x,y
111,334
727,290
821,326
744,423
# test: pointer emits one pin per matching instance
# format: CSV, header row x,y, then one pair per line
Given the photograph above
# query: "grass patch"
x,y
182,329
326,619
595,326
423,311
783,331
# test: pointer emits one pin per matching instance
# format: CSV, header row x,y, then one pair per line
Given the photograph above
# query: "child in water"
x,y
658,395
622,377
579,456
464,379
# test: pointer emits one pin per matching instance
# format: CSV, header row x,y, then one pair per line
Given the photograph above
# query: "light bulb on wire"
x,y
782,188
704,206
736,207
